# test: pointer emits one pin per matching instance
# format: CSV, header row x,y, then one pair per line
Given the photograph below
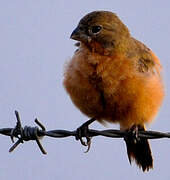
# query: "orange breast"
x,y
111,89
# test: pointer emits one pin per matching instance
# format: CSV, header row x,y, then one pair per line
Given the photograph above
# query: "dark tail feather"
x,y
139,151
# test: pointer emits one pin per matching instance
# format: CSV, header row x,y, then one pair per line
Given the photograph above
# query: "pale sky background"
x,y
34,45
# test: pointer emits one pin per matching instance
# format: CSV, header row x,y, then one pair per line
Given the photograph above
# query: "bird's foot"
x,y
133,133
83,132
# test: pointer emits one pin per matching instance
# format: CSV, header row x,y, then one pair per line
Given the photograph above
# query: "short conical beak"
x,y
80,35
76,34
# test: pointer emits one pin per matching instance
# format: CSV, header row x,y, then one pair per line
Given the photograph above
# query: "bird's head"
x,y
103,28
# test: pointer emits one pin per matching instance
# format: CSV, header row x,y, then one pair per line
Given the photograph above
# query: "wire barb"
x,y
38,132
26,134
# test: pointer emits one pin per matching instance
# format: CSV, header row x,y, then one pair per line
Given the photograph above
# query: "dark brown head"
x,y
102,27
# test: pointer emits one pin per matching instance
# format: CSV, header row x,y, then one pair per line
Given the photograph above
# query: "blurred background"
x,y
34,46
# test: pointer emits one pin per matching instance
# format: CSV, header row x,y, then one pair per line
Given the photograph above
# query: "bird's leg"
x,y
83,131
133,133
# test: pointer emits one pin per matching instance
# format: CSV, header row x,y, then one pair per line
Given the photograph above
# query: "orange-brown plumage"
x,y
113,77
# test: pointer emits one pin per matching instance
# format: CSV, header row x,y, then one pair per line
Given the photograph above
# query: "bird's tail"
x,y
139,150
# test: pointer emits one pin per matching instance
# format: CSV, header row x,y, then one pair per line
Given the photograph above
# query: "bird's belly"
x,y
96,102
129,102
86,97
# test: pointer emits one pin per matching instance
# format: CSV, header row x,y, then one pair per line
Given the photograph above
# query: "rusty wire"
x,y
36,133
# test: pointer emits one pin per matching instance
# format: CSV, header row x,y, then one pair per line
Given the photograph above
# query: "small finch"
x,y
115,78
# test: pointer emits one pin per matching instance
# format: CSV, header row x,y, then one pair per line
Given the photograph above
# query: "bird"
x,y
114,78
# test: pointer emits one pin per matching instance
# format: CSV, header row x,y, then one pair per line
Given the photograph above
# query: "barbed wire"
x,y
36,133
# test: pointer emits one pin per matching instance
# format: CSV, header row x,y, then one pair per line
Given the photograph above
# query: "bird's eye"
x,y
96,29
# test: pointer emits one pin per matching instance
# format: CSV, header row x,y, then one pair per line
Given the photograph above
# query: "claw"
x,y
82,131
88,144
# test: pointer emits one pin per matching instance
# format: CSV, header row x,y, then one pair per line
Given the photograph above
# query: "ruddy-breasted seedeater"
x,y
115,78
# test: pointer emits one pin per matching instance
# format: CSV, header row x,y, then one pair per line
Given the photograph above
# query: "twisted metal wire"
x,y
36,133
